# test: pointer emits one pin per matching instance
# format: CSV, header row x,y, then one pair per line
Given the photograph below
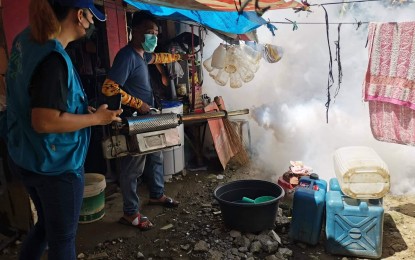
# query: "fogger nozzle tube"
x,y
212,115
157,122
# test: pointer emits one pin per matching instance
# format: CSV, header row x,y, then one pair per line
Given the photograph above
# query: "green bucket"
x,y
93,203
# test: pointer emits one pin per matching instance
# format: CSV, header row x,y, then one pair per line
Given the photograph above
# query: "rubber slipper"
x,y
141,222
166,202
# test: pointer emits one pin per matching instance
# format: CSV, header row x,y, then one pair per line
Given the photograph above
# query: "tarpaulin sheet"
x,y
229,22
224,5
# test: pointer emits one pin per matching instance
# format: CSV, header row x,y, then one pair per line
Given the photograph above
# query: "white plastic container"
x,y
173,157
361,173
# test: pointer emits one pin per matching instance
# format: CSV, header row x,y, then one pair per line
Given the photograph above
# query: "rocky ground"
x,y
196,230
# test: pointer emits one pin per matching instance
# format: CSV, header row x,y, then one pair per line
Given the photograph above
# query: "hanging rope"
x,y
339,64
241,6
259,11
330,79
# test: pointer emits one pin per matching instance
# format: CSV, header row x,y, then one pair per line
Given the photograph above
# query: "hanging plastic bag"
x,y
251,54
272,53
218,57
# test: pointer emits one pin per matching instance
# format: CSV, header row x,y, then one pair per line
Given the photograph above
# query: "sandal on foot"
x,y
141,222
165,202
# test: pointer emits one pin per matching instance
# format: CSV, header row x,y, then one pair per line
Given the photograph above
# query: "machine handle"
x,y
154,111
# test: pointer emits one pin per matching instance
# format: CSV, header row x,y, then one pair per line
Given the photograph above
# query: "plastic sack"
x,y
272,53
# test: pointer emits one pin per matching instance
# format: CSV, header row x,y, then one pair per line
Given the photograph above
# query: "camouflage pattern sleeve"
x,y
162,58
111,88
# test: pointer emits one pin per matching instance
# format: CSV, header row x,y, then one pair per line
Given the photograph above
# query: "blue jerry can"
x,y
334,184
308,208
354,227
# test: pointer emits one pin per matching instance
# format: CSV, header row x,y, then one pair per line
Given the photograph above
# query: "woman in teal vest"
x,y
48,122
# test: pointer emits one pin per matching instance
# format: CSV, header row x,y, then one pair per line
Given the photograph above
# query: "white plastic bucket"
x,y
93,203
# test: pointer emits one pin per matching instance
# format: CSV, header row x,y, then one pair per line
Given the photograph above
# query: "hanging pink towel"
x,y
389,85
390,76
392,123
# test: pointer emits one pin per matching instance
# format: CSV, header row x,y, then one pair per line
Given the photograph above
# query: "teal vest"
x,y
49,154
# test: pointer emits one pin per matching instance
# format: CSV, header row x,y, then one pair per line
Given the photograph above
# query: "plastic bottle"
x,y
252,55
208,64
245,73
218,57
235,80
231,64
222,77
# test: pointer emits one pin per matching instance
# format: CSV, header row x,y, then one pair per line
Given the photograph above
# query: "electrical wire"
x,y
320,23
339,64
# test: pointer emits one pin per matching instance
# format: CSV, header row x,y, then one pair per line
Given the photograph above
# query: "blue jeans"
x,y
131,168
58,201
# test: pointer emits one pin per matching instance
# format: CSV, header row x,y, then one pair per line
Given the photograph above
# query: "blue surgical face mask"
x,y
149,43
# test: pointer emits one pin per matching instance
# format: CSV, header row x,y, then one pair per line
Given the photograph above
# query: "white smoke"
x,y
287,99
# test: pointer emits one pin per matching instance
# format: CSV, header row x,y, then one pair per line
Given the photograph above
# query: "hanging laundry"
x,y
389,85
392,123
390,76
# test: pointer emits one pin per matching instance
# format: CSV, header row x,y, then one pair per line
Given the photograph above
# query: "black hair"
x,y
60,11
141,16
45,17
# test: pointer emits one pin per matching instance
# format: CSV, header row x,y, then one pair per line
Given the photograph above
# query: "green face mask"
x,y
149,43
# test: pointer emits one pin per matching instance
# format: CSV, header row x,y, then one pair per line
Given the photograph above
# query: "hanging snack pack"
x,y
272,53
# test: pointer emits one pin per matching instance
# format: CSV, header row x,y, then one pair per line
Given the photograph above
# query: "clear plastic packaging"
x,y
208,64
222,77
231,65
361,173
235,80
218,57
252,55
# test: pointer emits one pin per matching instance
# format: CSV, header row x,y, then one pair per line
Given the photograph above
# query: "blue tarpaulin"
x,y
229,22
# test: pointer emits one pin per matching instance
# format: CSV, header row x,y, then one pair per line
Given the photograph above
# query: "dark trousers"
x,y
58,201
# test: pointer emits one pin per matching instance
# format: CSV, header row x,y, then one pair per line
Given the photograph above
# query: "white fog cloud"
x,y
286,99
